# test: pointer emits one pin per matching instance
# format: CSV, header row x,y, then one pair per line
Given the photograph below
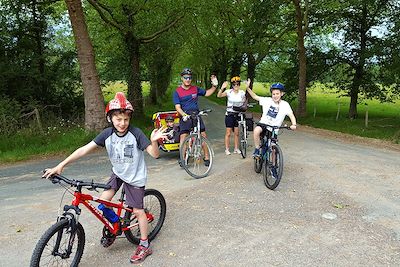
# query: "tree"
x,y
94,101
138,24
301,15
360,47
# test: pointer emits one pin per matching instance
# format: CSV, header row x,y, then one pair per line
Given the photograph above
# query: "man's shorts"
x,y
231,120
134,194
186,126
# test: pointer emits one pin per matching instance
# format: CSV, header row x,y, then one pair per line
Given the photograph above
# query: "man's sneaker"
x,y
140,254
256,153
227,152
206,162
237,151
274,172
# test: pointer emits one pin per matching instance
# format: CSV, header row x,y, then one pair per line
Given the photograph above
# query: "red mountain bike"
x,y
63,243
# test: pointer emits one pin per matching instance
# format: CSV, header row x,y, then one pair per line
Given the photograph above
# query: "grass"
x,y
65,137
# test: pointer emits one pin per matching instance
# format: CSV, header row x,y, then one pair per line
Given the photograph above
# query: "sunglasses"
x,y
187,78
235,83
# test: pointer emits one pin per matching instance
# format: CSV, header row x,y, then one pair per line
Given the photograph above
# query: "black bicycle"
x,y
245,125
271,156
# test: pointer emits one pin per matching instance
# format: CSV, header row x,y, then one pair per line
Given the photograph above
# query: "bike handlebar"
x,y
200,113
274,127
57,178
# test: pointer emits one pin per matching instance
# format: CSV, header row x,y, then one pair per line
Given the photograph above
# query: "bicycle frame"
x,y
86,199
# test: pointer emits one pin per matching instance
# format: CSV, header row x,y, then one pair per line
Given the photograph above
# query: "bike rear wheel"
x,y
155,209
52,248
243,140
273,167
193,153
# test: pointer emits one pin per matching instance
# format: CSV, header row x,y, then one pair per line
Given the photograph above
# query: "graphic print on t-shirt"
x,y
272,112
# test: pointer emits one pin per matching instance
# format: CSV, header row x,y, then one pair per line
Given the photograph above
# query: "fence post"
x,y
38,120
315,111
338,112
366,118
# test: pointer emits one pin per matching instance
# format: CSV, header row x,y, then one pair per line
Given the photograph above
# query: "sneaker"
x,y
227,152
274,172
206,162
140,254
180,163
256,153
236,151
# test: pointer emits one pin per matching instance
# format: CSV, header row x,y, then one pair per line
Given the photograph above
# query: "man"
x,y
185,99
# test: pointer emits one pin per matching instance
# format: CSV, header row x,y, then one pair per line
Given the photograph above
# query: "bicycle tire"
x,y
269,181
192,156
242,140
46,243
155,206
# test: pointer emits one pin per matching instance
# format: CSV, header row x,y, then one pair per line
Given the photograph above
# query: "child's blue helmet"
x,y
277,86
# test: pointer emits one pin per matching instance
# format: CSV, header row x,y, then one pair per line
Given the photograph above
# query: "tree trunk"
x,y
134,84
251,68
94,101
302,107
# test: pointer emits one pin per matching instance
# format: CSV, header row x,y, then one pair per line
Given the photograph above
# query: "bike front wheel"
x,y
193,154
273,167
243,140
59,246
155,209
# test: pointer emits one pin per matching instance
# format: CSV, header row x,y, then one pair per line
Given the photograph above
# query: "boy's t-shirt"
x,y
274,114
188,99
126,154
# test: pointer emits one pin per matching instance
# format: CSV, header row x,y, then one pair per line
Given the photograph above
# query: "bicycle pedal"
x,y
107,241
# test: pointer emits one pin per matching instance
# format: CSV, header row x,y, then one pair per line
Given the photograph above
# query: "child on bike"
x,y
235,103
274,111
125,145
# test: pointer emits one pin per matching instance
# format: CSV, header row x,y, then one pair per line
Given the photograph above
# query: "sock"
x,y
144,243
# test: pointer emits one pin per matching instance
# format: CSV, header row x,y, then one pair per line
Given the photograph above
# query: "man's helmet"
x,y
169,118
277,86
235,79
186,71
118,103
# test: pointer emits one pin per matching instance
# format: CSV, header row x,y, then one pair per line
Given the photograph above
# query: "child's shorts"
x,y
134,194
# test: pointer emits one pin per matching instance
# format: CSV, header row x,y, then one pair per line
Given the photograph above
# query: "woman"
x,y
236,101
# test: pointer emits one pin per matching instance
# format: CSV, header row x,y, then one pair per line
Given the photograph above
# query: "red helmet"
x,y
119,103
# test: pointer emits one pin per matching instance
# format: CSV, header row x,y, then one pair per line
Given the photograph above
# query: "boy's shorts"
x,y
134,194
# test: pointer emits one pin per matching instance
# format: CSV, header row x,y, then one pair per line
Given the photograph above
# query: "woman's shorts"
x,y
231,120
134,194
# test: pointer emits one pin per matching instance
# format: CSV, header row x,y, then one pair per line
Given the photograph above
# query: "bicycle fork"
x,y
71,230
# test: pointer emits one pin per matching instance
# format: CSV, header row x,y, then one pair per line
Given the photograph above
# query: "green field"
x,y
322,107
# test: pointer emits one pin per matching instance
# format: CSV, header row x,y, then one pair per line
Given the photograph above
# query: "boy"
x,y
274,112
125,145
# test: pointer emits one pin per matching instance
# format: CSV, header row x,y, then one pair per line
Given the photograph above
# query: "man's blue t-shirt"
x,y
188,98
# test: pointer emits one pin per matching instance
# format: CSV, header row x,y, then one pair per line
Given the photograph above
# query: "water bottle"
x,y
110,215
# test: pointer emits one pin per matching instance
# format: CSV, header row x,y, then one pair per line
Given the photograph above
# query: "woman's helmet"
x,y
186,71
118,103
235,79
169,118
277,86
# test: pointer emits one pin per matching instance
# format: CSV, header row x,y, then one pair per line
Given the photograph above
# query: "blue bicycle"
x,y
271,156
